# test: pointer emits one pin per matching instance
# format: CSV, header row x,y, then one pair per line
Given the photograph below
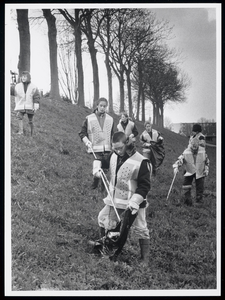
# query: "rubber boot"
x,y
20,122
31,129
145,247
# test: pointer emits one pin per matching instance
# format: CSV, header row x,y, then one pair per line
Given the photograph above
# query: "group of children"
x,y
129,171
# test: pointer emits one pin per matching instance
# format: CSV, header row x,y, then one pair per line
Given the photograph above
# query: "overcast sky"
x,y
195,34
194,31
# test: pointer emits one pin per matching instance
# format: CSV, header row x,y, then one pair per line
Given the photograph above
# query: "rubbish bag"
x,y
114,240
158,154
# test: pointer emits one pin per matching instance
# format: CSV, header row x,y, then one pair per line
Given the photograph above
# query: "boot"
x,y
20,127
145,247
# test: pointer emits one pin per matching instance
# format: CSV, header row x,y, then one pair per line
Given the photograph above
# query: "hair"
x,y
119,136
124,113
102,99
147,122
26,73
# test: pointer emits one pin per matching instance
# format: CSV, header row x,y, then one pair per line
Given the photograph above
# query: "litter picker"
x,y
171,187
106,184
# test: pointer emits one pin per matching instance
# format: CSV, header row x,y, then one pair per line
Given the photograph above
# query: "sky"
x,y
195,33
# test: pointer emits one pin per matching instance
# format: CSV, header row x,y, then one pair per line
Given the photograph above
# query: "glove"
x,y
131,138
134,207
145,145
206,171
134,203
36,106
97,168
87,142
175,170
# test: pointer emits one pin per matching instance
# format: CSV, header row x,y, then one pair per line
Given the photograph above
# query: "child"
x,y
26,99
196,162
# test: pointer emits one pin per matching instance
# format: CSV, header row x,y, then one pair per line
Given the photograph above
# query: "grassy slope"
x,y
54,214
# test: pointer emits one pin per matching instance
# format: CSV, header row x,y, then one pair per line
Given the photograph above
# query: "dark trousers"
x,y
187,184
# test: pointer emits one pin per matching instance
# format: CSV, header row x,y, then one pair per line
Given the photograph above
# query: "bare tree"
x,y
52,38
24,37
75,22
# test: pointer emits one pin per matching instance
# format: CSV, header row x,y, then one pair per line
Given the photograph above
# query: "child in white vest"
x,y
196,164
26,99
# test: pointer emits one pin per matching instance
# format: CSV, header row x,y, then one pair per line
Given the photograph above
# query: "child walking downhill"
x,y
26,100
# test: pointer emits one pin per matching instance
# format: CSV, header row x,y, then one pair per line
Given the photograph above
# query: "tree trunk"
x,y
79,64
138,102
109,75
143,105
129,93
24,37
52,38
93,53
121,83
108,68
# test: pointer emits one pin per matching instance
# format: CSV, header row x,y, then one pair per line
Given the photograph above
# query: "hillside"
x,y
54,215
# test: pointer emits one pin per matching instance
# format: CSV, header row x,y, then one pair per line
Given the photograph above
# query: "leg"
x,y
140,228
30,118
187,185
199,189
20,121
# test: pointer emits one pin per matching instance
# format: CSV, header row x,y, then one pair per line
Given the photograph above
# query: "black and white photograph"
x,y
113,149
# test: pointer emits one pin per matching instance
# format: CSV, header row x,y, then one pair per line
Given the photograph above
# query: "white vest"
x,y
195,164
123,185
128,129
148,139
100,138
22,100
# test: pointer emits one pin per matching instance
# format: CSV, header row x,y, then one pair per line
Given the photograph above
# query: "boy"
x,y
196,162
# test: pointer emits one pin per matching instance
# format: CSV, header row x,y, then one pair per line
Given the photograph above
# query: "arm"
x,y
135,131
143,187
83,131
12,90
143,181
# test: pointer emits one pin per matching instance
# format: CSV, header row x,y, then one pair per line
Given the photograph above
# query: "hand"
x,y
36,106
97,168
206,172
175,170
134,207
89,145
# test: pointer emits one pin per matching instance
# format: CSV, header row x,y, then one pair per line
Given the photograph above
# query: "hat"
x,y
197,128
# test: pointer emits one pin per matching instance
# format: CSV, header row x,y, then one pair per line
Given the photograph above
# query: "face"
x,y
102,107
24,78
119,148
123,118
194,148
148,127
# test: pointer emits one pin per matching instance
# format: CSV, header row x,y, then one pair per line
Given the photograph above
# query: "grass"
x,y
54,215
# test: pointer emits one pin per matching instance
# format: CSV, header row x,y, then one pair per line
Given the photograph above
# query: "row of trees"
x,y
134,45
